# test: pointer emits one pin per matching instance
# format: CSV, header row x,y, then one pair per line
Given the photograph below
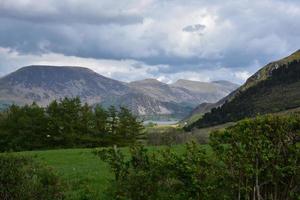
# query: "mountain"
x,y
184,91
274,88
43,84
219,87
204,108
149,97
150,108
178,98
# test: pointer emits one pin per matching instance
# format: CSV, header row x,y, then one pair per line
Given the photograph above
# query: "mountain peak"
x,y
56,68
185,81
43,83
37,74
147,81
292,57
266,71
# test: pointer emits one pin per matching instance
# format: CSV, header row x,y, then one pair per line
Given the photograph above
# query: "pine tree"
x,y
101,120
129,127
86,124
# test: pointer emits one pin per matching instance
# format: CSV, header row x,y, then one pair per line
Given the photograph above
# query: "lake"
x,y
161,122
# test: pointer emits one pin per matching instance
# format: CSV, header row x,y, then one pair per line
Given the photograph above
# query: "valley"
x,y
99,148
149,98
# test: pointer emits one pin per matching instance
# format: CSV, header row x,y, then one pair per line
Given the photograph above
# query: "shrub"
x,y
254,159
23,179
163,175
169,136
260,157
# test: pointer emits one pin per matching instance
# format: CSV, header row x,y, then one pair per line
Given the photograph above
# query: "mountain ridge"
x,y
44,83
273,88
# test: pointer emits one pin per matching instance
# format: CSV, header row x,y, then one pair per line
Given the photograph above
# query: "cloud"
x,y
69,12
194,28
123,70
193,36
242,75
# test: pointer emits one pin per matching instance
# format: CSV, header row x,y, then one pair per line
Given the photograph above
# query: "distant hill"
x,y
149,97
274,88
43,84
184,91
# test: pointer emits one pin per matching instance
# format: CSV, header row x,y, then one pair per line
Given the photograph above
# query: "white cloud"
x,y
239,36
242,75
123,70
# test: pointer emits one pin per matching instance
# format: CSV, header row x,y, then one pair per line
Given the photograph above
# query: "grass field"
x,y
85,174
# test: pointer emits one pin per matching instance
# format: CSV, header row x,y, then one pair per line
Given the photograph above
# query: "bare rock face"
x,y
149,97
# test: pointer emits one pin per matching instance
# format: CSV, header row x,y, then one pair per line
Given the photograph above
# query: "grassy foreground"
x,y
85,174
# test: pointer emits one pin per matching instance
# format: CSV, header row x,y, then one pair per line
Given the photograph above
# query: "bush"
x,y
23,179
254,159
160,176
167,136
260,157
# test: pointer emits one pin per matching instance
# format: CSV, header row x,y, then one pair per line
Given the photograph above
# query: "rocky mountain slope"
x,y
149,97
274,88
184,91
43,84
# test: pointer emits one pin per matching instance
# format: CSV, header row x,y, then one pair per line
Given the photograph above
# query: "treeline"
x,y
64,124
279,92
257,159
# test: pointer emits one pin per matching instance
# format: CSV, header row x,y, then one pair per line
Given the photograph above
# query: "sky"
x,y
203,40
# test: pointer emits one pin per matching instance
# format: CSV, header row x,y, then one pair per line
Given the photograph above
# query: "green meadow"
x,y
84,174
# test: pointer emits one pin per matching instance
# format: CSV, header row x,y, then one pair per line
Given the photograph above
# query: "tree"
x,y
261,157
55,124
23,127
86,120
160,176
66,123
129,127
101,120
112,120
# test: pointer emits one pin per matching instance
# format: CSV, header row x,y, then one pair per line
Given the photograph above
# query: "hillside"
x,y
149,107
149,97
44,84
273,88
183,91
